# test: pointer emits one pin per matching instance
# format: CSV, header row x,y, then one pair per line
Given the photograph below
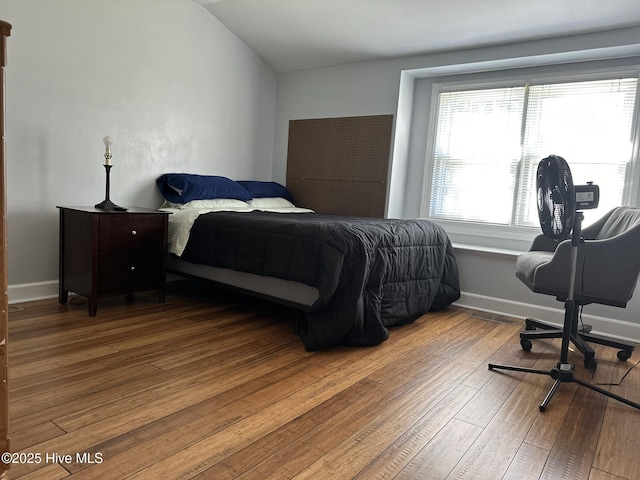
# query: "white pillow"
x,y
270,202
217,203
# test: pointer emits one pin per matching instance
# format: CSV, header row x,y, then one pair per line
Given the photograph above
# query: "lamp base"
x,y
109,206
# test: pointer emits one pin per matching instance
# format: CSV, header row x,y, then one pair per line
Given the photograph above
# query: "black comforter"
x,y
370,273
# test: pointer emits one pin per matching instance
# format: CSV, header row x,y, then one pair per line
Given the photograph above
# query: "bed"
x,y
351,277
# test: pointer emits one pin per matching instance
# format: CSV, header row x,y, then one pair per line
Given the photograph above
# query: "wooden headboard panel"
x,y
339,165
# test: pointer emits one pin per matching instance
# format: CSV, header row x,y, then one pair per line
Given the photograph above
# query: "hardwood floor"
x,y
216,385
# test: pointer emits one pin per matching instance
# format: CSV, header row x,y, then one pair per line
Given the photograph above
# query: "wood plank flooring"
x,y
214,385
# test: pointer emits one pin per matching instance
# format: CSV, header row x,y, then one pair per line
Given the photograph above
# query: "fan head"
x,y
556,197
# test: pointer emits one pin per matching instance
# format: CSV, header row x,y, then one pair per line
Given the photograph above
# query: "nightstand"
x,y
106,253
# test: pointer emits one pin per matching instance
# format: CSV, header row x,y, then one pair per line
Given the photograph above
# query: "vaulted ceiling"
x,y
301,34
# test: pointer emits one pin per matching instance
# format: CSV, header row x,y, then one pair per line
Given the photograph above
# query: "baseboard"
x,y
28,292
604,326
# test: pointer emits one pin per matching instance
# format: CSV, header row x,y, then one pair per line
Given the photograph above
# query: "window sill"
x,y
495,239
487,251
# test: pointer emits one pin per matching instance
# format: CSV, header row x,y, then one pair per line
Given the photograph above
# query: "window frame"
x,y
512,236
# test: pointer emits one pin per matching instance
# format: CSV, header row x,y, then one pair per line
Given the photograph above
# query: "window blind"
x,y
590,124
488,143
477,149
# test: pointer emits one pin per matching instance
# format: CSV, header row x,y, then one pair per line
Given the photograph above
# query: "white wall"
x,y
487,279
169,83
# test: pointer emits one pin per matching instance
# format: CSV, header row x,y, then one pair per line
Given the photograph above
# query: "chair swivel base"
x,y
579,337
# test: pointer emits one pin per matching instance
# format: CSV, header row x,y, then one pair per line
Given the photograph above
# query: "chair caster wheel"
x,y
526,344
590,363
624,355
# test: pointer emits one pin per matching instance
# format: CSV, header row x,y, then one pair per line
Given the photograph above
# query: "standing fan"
x,y
556,198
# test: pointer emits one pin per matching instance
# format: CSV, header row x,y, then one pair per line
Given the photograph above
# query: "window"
x,y
488,141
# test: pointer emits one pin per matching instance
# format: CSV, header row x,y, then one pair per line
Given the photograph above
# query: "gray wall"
x,y
169,83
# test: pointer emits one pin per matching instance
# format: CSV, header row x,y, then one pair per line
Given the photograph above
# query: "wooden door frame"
x,y
5,31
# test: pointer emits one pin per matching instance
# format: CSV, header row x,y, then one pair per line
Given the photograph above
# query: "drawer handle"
x,y
133,232
133,268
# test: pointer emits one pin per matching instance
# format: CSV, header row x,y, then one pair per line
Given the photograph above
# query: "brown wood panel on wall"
x,y
340,165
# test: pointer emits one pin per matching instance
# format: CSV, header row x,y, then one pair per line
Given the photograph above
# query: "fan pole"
x,y
570,311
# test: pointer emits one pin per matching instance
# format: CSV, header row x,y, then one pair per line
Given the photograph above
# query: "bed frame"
x,y
292,294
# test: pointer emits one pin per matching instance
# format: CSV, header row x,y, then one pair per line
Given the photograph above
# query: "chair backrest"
x,y
621,220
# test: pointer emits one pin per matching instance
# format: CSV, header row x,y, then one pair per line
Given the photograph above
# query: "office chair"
x,y
600,267
607,270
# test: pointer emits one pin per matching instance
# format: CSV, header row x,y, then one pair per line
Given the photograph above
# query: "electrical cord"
x,y
619,382
593,373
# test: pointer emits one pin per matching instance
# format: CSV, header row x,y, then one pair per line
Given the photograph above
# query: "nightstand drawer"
x,y
125,272
124,232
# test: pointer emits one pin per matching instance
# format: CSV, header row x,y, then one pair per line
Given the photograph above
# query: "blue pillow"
x,y
259,189
185,187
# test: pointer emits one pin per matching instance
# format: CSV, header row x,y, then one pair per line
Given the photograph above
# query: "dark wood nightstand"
x,y
106,253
